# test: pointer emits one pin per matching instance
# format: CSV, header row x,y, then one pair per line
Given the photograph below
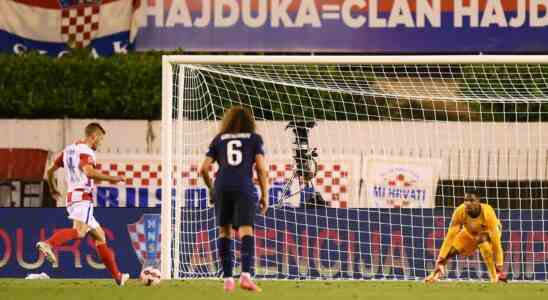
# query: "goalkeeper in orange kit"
x,y
474,225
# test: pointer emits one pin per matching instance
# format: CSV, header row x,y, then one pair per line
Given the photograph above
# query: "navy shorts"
x,y
236,208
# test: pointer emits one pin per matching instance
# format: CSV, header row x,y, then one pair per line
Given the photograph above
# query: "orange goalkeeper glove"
x,y
501,275
437,273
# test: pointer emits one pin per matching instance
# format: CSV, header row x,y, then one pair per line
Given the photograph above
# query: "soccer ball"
x,y
150,276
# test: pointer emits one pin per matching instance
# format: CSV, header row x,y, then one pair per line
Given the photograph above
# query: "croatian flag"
x,y
53,27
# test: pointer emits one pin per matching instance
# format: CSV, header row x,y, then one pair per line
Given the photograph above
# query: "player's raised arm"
x,y
262,173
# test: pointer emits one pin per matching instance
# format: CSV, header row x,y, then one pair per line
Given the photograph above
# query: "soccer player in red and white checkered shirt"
x,y
79,161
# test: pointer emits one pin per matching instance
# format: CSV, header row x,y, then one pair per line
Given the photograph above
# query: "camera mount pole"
x,y
360,186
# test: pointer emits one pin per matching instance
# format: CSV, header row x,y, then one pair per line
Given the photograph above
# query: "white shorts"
x,y
83,212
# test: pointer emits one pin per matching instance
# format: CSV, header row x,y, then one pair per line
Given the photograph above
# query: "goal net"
x,y
367,157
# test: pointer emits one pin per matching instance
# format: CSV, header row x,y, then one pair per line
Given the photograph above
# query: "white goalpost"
x,y
368,156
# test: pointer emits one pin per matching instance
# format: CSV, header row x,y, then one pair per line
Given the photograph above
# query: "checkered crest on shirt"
x,y
80,23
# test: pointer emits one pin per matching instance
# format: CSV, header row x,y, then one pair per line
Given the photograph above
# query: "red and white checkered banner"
x,y
55,27
332,178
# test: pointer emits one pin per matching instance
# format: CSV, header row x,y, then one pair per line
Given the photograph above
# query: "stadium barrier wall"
x,y
142,137
511,152
366,244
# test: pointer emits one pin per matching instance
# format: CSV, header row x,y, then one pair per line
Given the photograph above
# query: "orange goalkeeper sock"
x,y
486,251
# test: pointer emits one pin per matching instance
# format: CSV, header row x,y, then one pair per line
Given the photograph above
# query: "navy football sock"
x,y
247,252
225,252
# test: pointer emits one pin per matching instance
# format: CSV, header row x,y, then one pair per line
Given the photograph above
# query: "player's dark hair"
x,y
473,191
237,119
94,127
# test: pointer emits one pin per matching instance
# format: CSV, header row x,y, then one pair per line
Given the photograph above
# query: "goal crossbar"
x,y
355,59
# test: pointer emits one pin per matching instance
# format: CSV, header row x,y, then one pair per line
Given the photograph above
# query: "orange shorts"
x,y
465,243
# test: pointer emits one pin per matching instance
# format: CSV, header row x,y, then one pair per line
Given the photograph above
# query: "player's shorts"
x,y
83,212
235,207
465,243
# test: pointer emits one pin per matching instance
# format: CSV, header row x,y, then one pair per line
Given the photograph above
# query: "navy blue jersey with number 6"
x,y
235,154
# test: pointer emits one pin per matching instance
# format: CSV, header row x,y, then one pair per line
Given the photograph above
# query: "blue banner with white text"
x,y
366,26
290,243
125,228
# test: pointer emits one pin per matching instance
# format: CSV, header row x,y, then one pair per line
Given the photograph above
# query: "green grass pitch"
x,y
14,289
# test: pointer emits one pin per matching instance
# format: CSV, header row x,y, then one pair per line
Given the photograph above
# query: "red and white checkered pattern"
x,y
137,238
331,179
80,24
136,174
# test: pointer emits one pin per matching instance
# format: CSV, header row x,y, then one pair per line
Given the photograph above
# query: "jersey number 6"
x,y
234,152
